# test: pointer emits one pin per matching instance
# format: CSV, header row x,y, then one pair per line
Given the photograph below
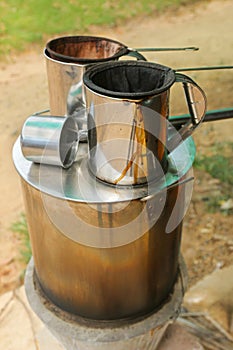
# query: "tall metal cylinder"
x,y
106,259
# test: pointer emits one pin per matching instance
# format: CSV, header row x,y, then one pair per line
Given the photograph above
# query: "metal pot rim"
x,y
77,184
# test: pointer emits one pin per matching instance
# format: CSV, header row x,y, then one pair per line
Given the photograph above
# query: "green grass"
x,y
21,230
219,164
23,23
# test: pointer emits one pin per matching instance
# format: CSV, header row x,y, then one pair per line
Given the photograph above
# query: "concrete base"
x,y
30,333
75,332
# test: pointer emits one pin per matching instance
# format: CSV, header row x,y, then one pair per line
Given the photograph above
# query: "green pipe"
x,y
212,115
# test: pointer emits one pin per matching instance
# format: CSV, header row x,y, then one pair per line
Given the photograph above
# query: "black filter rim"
x,y
92,79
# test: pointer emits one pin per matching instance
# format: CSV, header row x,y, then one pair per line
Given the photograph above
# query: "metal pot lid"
x,y
79,185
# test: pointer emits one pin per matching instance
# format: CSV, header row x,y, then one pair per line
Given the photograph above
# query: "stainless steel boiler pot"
x,y
99,251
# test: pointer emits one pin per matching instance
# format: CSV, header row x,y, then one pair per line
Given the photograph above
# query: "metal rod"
x,y
212,115
41,112
178,183
153,49
202,68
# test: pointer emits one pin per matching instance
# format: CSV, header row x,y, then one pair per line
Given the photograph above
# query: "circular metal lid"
x,y
79,185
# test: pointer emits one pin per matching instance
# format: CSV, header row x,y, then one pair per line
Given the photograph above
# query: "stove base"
x,y
77,333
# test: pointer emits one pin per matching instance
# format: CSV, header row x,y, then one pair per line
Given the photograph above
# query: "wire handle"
x,y
197,104
159,49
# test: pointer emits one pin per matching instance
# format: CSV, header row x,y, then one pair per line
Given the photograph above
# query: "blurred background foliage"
x,y
23,23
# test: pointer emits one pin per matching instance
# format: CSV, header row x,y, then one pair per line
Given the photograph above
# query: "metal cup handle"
x,y
136,54
197,104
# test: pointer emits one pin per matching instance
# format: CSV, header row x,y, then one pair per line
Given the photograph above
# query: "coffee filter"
x,y
85,49
129,79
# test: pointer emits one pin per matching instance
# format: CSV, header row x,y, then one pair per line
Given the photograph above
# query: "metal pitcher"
x,y
128,130
67,59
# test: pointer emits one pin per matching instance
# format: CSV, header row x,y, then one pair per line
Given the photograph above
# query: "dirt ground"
x,y
207,238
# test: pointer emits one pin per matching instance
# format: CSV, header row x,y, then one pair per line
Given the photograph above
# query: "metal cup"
x,y
50,140
67,59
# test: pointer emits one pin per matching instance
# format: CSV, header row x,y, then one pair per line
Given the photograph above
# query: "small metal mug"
x,y
128,130
67,59
50,140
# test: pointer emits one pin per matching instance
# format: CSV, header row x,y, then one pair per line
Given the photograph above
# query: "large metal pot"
x,y
102,252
